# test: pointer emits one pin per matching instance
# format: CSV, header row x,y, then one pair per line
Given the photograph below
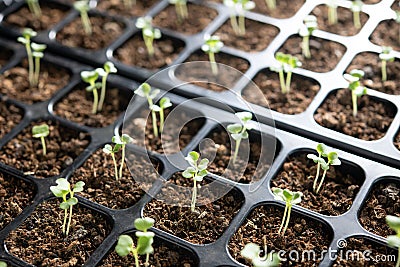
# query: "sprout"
x,y
165,102
238,131
37,55
333,160
385,56
3,264
125,244
287,64
271,4
196,171
129,3
290,198
394,240
108,149
332,11
211,46
104,72
83,7
41,131
144,90
180,8
148,32
120,144
25,39
252,252
355,86
34,7
356,6
62,190
310,24
239,7
90,77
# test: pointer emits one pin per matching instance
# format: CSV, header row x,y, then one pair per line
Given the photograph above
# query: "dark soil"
x,y
258,36
102,187
381,36
355,249
77,106
302,234
40,241
373,118
371,65
371,2
10,116
396,140
164,255
104,32
395,6
383,200
168,143
324,54
339,189
5,56
199,18
25,152
301,93
15,83
345,25
117,7
205,225
51,15
201,74
134,52
15,195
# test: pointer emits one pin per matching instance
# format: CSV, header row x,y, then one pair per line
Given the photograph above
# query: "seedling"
x,y
108,149
385,56
144,90
37,55
125,244
180,8
196,171
212,45
332,11
287,64
290,198
83,7
355,86
333,159
90,77
25,39
271,4
252,252
104,72
239,7
238,131
310,24
165,102
62,190
149,33
120,144
394,240
34,7
356,6
41,131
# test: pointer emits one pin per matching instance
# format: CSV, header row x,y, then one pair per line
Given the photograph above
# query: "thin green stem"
x,y
115,166
103,92
317,175
147,260
136,256
398,258
282,81
332,15
354,100
306,47
65,217
214,66
322,181
148,41
235,25
356,19
194,196
242,25
95,101
87,26
161,120
283,220
153,117
237,145
271,4
69,220
37,71
43,145
287,220
122,161
30,63
128,3
288,81
383,70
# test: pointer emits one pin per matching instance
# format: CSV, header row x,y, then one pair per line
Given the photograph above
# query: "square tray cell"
x,y
10,116
381,36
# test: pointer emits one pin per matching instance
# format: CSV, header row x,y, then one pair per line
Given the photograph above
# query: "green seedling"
x,y
356,6
385,56
180,8
144,90
287,64
271,4
310,24
83,8
164,103
62,190
37,55
148,32
238,131
212,45
125,244
394,240
333,160
332,11
109,150
252,252
239,7
34,7
41,131
290,198
196,171
91,77
120,144
25,39
355,86
104,72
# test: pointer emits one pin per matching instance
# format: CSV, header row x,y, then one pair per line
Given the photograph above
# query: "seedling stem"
x,y
310,24
41,131
104,72
83,7
355,86
290,198
356,8
271,4
385,56
238,131
34,8
211,46
27,34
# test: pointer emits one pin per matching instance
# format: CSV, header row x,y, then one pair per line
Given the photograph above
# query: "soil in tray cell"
x,y
381,36
10,116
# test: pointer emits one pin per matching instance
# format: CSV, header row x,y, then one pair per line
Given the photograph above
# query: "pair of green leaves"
x,y
197,169
212,44
240,5
252,252
145,23
90,77
238,131
288,62
310,24
144,90
62,190
164,103
354,82
39,131
386,54
333,158
287,196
